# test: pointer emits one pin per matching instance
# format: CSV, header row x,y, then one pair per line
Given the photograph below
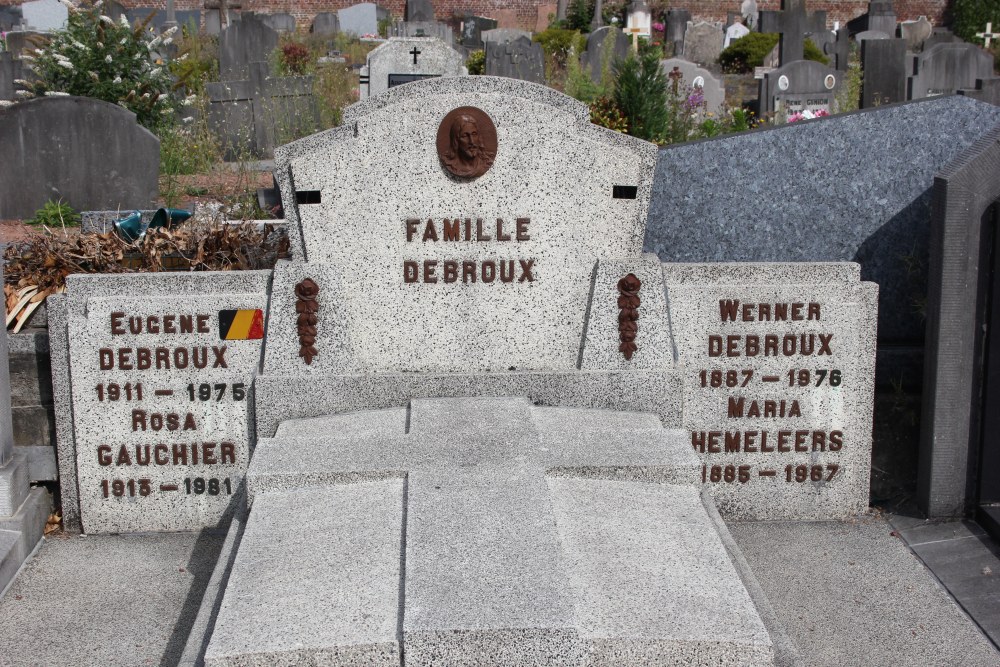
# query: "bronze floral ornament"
x,y
628,314
307,306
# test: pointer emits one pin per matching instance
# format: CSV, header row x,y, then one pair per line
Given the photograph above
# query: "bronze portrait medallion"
x,y
467,142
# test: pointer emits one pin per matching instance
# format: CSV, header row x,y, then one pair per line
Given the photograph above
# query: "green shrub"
x,y
748,52
55,214
641,96
94,56
558,42
198,60
971,16
476,63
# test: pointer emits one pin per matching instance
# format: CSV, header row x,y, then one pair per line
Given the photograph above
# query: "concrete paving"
x,y
848,594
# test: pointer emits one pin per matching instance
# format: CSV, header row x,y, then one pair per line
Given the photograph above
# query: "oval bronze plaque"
x,y
467,142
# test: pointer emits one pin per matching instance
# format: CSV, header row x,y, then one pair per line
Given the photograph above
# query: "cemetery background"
x,y
898,273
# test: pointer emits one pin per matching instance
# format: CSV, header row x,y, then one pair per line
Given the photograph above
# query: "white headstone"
x,y
734,32
407,59
639,17
693,76
44,15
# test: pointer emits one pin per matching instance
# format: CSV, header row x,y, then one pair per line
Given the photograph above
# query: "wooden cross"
x,y
415,52
635,38
790,23
988,36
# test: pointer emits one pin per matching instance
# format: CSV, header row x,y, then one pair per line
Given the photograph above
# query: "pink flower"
x,y
821,113
658,27
795,117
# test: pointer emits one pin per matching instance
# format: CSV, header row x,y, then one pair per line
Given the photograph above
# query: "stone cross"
x,y
223,6
790,22
415,52
512,54
988,36
635,38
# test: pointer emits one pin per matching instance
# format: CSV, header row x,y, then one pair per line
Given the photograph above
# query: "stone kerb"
x,y
377,233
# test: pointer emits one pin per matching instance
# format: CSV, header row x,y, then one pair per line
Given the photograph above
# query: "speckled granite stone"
x,y
812,422
315,581
102,429
356,239
530,536
854,187
435,58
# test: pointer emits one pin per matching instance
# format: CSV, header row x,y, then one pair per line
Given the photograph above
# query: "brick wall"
x,y
526,10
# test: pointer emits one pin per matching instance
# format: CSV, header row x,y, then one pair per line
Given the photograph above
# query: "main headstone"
x,y
804,85
944,69
602,54
703,42
519,58
247,41
884,65
693,76
253,116
361,19
404,60
115,161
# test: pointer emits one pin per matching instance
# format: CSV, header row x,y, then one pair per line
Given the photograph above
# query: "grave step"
x,y
29,520
380,422
13,484
493,532
10,563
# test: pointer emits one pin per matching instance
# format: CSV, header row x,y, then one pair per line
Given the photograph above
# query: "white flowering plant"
x,y
94,56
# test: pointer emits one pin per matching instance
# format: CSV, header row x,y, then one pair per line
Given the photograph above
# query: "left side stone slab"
x,y
161,368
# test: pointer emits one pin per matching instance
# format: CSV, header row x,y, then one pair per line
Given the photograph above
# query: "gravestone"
x,y
419,11
915,33
881,17
500,35
602,54
703,42
943,69
837,49
361,19
161,375
793,23
23,510
10,70
325,23
639,19
677,23
10,17
247,41
404,60
118,157
986,90
44,15
520,58
941,36
282,22
780,385
257,114
748,8
870,34
804,85
884,65
734,32
441,31
474,29
698,77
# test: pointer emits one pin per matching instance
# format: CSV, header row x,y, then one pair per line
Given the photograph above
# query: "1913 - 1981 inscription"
x,y
160,404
